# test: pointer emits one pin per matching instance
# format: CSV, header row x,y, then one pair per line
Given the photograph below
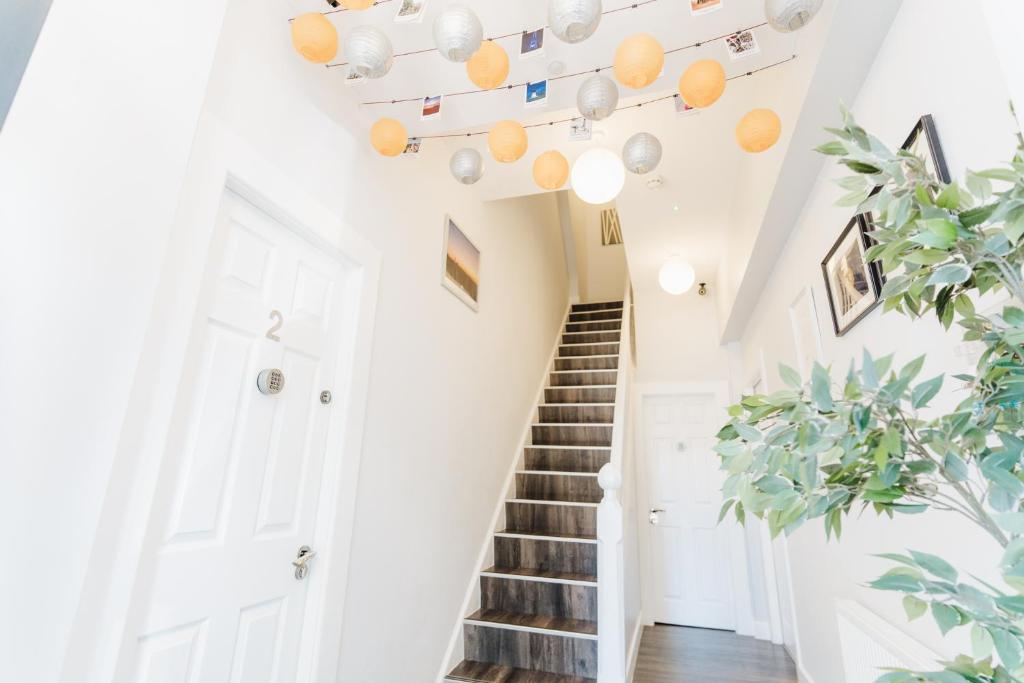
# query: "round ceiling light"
x,y
488,67
641,153
467,166
676,276
573,21
597,97
388,137
550,170
598,176
702,83
758,130
314,37
458,33
638,61
368,51
790,15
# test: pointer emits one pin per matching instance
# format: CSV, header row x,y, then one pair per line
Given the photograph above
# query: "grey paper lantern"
x,y
573,21
368,51
467,166
597,97
641,153
790,15
458,33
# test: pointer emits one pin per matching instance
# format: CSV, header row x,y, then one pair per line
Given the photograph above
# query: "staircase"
x,y
537,621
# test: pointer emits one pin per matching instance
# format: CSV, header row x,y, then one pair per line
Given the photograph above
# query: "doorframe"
x,y
222,161
742,606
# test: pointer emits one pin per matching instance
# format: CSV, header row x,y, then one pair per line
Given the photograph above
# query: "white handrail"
x,y
611,630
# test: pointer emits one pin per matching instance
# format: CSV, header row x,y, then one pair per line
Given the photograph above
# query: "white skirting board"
x,y
869,643
634,648
453,655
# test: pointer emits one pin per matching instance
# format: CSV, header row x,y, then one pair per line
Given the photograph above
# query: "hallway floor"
x,y
676,654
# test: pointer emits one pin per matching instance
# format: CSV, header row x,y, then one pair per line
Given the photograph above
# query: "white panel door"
x,y
692,570
217,599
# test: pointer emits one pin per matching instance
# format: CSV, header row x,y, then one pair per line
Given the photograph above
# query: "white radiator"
x,y
869,644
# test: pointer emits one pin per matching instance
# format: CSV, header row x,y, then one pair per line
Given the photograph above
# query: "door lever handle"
x,y
301,560
653,517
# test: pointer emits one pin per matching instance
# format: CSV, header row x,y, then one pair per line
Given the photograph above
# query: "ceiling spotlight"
x,y
675,208
556,67
676,276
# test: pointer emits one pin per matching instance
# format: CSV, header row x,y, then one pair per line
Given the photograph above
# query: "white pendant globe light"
x,y
573,21
676,276
467,166
598,176
597,98
368,51
641,153
790,15
458,33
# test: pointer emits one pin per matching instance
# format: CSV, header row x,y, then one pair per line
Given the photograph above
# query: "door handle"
x,y
653,517
301,560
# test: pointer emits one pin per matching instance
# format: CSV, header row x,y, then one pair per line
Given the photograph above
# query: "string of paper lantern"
x,y
570,119
575,74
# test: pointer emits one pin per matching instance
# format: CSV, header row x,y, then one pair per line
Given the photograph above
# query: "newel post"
x,y
611,635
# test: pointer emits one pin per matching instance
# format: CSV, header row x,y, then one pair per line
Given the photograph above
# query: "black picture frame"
x,y
926,126
872,271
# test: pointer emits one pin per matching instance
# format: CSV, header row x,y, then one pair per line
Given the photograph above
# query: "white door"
x,y
217,599
691,555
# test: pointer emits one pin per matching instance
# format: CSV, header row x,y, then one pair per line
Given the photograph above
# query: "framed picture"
x,y
924,142
461,272
537,94
742,44
704,6
853,285
531,44
411,11
581,129
431,107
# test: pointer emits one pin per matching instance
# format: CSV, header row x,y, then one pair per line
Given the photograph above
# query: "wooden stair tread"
x,y
483,672
566,535
535,621
541,574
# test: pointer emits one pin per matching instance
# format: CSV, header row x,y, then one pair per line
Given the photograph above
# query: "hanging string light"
x,y
388,137
488,68
507,141
702,83
638,61
369,51
641,153
457,33
759,130
598,176
314,37
467,166
573,21
550,170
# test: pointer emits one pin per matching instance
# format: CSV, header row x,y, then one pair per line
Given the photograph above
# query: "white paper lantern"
x,y
790,15
597,97
467,166
676,276
573,21
368,51
458,33
598,176
641,153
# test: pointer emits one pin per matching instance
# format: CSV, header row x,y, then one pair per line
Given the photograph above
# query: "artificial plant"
x,y
827,448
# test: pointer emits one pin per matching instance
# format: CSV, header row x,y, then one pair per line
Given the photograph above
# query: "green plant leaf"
x,y
833,148
945,616
935,565
925,391
950,274
820,390
981,642
1008,647
955,467
914,606
790,376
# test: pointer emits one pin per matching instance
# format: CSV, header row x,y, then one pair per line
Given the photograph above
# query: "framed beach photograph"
x,y
431,107
852,284
924,142
537,94
461,272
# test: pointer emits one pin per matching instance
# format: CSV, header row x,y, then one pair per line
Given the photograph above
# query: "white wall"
x,y
937,59
92,156
91,164
601,269
677,337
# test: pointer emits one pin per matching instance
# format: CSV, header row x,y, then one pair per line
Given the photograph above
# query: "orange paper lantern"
x,y
550,170
758,130
388,137
507,141
357,4
638,60
314,37
702,83
488,67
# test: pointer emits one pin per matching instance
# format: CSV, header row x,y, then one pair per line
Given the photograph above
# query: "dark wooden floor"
x,y
675,654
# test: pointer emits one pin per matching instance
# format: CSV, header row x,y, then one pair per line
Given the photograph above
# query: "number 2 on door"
x,y
278,319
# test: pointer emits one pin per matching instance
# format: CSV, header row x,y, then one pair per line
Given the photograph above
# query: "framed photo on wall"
x,y
853,285
461,272
924,142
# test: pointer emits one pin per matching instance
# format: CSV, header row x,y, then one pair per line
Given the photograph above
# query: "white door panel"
x,y
691,554
242,477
